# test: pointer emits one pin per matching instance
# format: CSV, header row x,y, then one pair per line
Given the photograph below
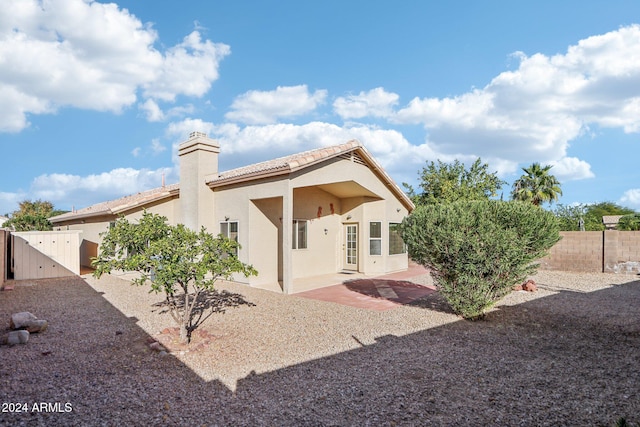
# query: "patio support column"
x,y
287,239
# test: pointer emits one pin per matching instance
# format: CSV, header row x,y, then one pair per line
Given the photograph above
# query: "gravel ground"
x,y
564,355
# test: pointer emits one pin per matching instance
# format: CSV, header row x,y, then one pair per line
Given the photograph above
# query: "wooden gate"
x,y
45,254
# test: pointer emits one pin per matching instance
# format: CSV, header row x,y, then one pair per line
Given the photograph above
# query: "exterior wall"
x,y
258,209
608,251
322,254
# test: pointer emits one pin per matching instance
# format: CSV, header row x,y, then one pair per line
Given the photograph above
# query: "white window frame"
x,y
228,231
378,238
295,244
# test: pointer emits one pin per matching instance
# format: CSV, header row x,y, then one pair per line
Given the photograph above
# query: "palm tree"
x,y
536,185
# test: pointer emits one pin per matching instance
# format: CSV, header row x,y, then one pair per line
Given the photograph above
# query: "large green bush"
x,y
477,250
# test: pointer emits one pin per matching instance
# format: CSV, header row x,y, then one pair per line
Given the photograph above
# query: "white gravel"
x,y
564,355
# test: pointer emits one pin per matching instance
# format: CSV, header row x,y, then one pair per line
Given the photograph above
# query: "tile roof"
x,y
113,207
281,165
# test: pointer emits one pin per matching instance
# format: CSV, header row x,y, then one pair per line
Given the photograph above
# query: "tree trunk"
x,y
186,316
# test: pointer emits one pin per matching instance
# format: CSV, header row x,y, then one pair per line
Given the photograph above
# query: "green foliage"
x,y
536,186
569,216
477,250
32,216
448,182
174,260
629,223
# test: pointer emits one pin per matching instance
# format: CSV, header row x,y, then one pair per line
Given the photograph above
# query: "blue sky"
x,y
95,96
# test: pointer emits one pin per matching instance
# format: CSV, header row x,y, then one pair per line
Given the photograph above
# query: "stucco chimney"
x,y
198,158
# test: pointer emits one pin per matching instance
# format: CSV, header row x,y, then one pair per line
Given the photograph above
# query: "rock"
x,y
156,346
21,320
18,337
517,287
529,286
28,321
39,325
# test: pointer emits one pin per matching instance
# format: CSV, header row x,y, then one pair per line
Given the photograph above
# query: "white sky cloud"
x,y
631,198
376,103
94,188
532,113
93,56
267,107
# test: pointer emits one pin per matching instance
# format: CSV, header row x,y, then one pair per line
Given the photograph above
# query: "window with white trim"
x,y
396,244
229,229
375,238
299,237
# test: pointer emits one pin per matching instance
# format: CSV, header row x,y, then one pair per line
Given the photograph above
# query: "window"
x,y
375,238
229,229
299,234
396,245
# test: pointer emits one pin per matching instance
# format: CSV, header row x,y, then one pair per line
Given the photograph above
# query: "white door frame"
x,y
351,250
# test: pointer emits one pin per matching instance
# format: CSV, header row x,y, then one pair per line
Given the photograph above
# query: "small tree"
x,y
181,263
448,182
32,216
477,250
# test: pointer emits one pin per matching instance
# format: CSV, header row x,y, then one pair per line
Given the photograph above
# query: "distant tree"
x,y
181,263
448,182
569,216
596,211
32,216
536,185
629,223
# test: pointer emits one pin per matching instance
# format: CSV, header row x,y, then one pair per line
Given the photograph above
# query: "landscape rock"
x,y
21,320
529,286
26,320
18,337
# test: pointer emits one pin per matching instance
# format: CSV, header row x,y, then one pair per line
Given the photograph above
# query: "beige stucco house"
x,y
318,212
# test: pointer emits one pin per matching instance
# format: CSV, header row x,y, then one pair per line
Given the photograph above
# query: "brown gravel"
x,y
567,354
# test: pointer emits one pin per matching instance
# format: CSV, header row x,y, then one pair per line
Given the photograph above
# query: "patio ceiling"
x,y
346,189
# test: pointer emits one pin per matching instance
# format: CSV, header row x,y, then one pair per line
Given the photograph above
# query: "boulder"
x,y
21,320
18,337
28,321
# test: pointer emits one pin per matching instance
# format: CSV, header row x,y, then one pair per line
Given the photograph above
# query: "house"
x,y
322,211
3,219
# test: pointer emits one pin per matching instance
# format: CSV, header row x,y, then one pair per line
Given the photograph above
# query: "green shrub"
x,y
477,250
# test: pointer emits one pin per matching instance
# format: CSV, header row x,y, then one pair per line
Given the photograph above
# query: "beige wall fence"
x,y
39,254
607,251
4,247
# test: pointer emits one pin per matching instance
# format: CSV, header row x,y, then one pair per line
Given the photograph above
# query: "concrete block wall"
x,y
608,251
621,251
577,251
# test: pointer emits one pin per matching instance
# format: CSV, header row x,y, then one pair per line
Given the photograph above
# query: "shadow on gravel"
x,y
207,304
567,359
